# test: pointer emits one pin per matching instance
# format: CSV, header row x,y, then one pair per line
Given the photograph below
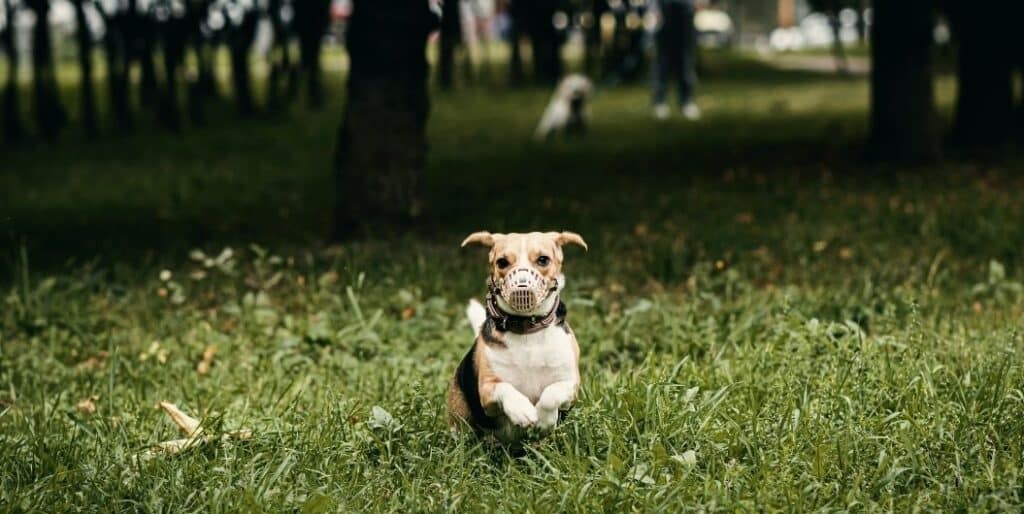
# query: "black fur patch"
x,y
562,414
469,384
488,335
560,315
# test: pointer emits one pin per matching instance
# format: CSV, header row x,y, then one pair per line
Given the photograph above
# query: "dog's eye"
x,y
502,263
543,260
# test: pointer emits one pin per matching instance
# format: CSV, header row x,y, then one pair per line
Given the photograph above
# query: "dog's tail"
x,y
477,315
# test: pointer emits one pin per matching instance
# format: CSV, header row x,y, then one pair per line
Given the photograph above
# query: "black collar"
x,y
506,322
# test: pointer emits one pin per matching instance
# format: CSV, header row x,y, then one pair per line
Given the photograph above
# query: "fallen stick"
x,y
192,429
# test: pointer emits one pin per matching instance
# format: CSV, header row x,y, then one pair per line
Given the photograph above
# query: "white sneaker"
x,y
662,111
691,111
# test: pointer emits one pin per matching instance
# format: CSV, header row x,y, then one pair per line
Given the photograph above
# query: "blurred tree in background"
x,y
987,57
12,118
84,38
382,144
311,18
903,118
49,111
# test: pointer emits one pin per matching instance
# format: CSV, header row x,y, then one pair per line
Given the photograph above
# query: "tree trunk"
x,y
141,41
592,37
207,79
382,143
451,34
202,85
49,112
279,80
172,41
311,19
862,25
84,37
983,115
903,120
241,39
116,43
13,131
838,52
545,42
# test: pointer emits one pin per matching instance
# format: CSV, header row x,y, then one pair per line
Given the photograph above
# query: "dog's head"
x,y
525,269
575,86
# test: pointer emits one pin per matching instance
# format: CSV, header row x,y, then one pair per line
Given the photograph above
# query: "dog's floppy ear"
x,y
562,238
485,238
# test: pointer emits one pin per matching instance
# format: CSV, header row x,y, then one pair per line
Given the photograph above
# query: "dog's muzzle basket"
x,y
523,289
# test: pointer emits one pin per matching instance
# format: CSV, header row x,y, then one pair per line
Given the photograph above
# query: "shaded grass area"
x,y
765,322
270,180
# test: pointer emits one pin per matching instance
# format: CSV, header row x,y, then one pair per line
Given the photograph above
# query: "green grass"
x,y
765,322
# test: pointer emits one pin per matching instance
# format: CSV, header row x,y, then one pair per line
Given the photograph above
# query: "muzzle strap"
x,y
506,322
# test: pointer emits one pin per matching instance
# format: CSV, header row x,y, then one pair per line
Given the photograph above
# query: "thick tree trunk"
x,y
13,131
84,37
903,120
451,34
311,19
49,111
382,143
546,43
984,104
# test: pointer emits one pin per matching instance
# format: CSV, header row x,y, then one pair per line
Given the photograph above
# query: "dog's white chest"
x,y
531,362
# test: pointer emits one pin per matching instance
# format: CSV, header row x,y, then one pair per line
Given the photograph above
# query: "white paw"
x,y
547,418
519,411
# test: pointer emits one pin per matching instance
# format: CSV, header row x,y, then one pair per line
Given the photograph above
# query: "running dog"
x,y
523,368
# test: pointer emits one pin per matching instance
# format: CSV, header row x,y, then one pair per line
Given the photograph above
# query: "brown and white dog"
x,y
523,368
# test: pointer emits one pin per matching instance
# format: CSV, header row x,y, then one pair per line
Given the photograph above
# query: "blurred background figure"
x,y
469,24
676,41
476,17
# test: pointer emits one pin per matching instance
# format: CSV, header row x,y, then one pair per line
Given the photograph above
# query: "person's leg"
x,y
667,64
659,76
688,63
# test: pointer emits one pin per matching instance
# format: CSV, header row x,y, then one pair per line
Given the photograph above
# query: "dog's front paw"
x,y
547,418
520,411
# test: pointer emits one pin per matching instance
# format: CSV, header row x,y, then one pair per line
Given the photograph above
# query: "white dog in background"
x,y
567,112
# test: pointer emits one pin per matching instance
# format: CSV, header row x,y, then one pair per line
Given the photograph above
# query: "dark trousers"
x,y
676,53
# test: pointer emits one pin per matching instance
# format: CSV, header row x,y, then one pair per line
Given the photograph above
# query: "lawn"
x,y
766,322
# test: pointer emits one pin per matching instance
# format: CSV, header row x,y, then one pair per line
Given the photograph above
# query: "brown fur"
x,y
487,381
458,409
